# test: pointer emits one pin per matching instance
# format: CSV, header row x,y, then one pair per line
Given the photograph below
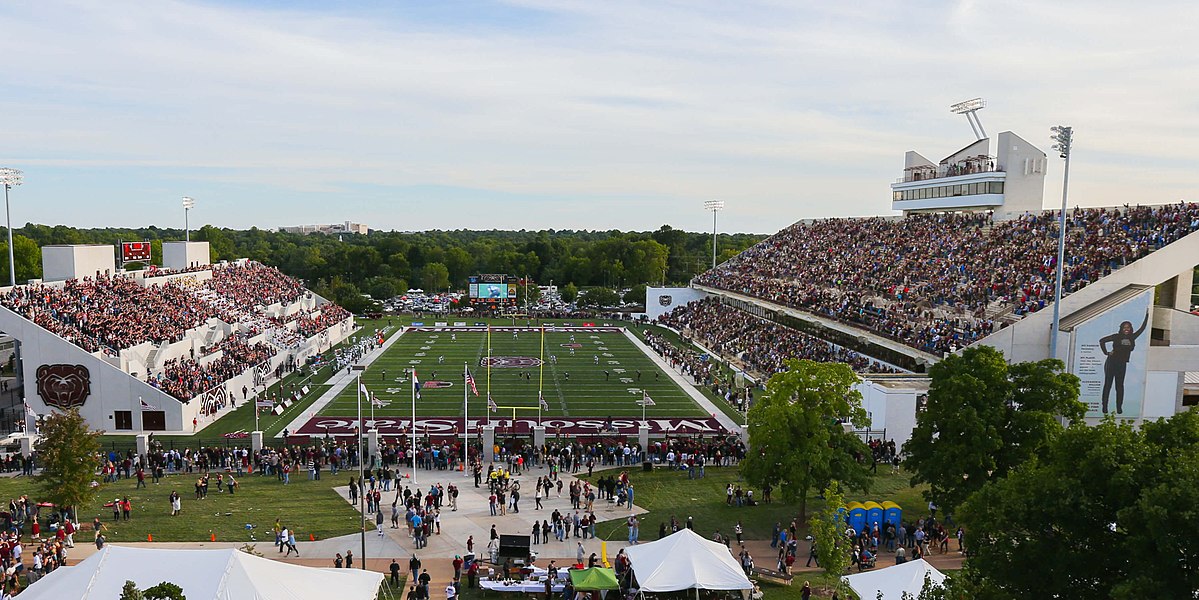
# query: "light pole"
x,y
10,178
188,204
1064,136
715,206
361,494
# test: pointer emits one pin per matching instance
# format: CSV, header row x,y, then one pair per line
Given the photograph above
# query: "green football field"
x,y
574,385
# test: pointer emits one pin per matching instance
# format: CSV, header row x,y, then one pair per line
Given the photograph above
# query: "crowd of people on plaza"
x,y
935,282
760,345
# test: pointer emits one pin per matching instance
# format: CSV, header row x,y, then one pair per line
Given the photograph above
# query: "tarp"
x,y
894,581
595,578
684,560
225,574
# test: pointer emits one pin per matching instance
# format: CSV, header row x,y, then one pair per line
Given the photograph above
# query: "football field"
x,y
581,372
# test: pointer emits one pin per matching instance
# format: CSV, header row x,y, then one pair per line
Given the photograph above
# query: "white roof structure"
x,y
226,574
894,581
684,560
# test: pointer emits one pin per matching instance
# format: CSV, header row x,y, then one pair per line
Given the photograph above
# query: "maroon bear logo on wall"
x,y
63,386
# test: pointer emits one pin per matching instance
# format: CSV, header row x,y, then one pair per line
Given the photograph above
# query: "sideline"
x,y
726,421
339,382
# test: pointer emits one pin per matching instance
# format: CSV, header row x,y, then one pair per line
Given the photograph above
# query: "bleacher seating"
x,y
758,344
928,281
114,313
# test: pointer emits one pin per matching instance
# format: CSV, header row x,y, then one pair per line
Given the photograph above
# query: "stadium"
x,y
971,261
160,349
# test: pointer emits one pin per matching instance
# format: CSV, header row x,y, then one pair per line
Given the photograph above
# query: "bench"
x,y
771,576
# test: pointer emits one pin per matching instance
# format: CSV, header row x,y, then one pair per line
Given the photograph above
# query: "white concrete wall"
x,y
1163,394
1025,164
110,388
181,255
60,263
678,296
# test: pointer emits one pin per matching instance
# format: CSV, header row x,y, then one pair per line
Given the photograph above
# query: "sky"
x,y
564,114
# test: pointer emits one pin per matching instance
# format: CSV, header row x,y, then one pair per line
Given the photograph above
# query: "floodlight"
x,y
188,202
714,205
962,108
10,177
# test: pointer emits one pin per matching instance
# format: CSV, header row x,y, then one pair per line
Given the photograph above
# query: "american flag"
x,y
491,404
646,400
544,405
146,405
471,382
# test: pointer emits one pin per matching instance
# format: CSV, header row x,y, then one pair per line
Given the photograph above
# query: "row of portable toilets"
x,y
863,516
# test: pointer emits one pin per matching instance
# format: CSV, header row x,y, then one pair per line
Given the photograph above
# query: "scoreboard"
x,y
493,290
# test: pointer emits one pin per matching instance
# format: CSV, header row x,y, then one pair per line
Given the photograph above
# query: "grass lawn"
x,y
575,385
309,507
665,493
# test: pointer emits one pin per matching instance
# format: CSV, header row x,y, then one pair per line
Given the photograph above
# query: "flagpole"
x,y
414,425
540,373
465,408
361,496
489,399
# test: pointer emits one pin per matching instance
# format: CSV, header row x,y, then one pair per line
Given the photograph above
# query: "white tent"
x,y
894,581
684,560
217,574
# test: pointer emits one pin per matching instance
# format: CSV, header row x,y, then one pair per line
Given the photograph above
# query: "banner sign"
x,y
1110,355
553,426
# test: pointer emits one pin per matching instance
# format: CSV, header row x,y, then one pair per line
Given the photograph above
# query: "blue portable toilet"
x,y
892,513
857,515
874,514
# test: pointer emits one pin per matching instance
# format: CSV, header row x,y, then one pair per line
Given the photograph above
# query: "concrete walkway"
x,y
688,386
338,382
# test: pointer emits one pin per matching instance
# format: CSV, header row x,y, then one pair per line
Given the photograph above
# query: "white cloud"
x,y
628,114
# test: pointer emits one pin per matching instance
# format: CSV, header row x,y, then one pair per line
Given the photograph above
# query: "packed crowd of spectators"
x,y
109,312
254,284
931,281
760,345
330,315
186,378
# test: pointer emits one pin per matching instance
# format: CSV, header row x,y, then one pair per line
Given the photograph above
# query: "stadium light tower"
x,y
10,178
970,108
188,204
1064,136
715,206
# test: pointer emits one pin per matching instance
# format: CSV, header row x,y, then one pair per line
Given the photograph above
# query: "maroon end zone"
x,y
553,426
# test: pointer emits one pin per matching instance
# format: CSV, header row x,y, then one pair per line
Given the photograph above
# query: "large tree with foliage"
x,y
984,418
67,453
796,437
1106,511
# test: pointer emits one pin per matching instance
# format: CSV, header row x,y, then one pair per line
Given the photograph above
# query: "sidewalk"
x,y
338,382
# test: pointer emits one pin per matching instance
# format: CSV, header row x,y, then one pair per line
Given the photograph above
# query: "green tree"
x,y
796,435
635,295
984,418
129,591
833,549
26,254
569,292
165,591
67,451
599,297
1105,511
434,276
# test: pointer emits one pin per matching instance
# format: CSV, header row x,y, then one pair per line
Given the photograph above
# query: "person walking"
x,y
379,522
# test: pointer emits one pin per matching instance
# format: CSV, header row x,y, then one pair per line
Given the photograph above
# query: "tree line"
x,y
1051,506
383,264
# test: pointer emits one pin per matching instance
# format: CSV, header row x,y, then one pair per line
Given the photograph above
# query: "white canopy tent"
x,y
894,581
226,574
684,560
